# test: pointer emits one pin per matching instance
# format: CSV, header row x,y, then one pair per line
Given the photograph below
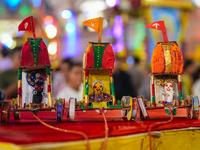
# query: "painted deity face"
x,y
168,87
97,87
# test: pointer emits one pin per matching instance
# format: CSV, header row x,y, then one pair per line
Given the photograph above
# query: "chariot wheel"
x,y
72,107
5,114
60,109
132,113
126,101
194,108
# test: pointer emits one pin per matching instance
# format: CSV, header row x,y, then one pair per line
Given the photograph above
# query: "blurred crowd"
x,y
67,79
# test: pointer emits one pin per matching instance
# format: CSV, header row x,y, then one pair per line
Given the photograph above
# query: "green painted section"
x,y
98,54
48,70
153,99
180,96
112,88
86,88
174,111
19,74
58,101
35,43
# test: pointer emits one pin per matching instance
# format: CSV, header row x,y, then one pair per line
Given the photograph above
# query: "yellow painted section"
x,y
173,140
168,62
50,99
102,75
100,104
83,85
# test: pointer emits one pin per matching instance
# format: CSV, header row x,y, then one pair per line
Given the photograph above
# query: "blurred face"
x,y
97,87
75,76
168,87
64,68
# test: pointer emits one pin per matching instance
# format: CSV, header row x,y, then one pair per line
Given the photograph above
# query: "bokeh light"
x,y
129,60
66,14
70,27
48,20
112,3
19,33
52,48
118,46
51,31
37,3
24,10
7,40
13,4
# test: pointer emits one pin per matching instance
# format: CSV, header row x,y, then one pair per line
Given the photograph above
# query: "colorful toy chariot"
x,y
166,81
34,82
98,91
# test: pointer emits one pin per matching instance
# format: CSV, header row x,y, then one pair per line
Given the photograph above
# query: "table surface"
x,y
29,131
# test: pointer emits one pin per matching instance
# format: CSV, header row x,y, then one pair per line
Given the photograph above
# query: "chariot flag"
x,y
94,23
159,25
27,25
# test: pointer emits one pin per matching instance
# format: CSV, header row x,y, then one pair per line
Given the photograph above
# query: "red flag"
x,y
158,25
25,25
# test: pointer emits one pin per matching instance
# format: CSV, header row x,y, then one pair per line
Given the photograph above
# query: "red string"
x,y
106,130
157,123
67,131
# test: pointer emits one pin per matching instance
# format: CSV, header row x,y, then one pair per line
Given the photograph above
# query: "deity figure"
x,y
98,95
38,89
168,92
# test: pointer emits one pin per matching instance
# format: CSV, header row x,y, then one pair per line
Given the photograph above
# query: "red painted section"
x,y
19,91
153,90
27,55
49,88
180,86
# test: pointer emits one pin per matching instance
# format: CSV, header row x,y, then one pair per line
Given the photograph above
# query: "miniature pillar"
x,y
153,91
86,86
49,85
180,89
112,87
100,29
19,95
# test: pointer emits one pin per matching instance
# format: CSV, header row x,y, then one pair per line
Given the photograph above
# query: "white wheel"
x,y
123,113
72,114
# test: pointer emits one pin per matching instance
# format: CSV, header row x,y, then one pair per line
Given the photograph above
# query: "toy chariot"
x,y
34,83
98,91
166,81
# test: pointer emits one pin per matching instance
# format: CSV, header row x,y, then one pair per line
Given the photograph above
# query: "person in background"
x,y
144,89
6,61
75,87
122,81
189,68
9,78
61,76
136,75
